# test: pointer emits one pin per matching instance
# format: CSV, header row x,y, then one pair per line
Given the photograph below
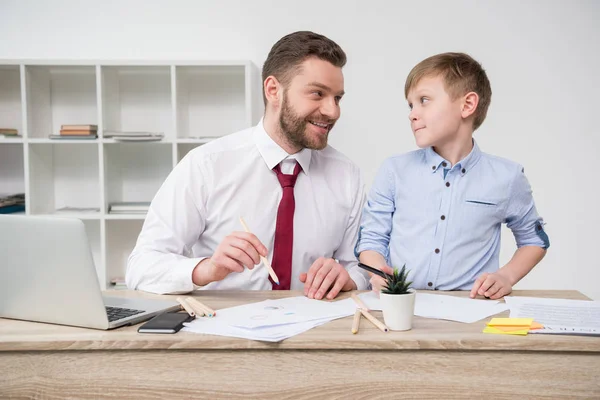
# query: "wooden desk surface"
x,y
430,334
436,359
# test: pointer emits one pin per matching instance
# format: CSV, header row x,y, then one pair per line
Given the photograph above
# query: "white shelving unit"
x,y
190,102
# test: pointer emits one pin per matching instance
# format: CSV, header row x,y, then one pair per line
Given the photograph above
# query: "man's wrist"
x,y
201,273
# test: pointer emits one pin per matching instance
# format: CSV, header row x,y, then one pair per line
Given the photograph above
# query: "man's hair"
x,y
461,75
291,50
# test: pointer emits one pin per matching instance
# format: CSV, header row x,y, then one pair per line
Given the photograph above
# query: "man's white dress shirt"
x,y
200,203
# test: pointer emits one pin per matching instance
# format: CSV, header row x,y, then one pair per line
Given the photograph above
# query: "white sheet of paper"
x,y
559,316
276,333
289,310
440,306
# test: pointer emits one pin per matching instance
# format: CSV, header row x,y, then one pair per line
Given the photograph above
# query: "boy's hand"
x,y
378,282
492,286
326,276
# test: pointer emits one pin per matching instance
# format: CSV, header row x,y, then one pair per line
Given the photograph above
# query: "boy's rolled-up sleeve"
x,y
376,223
521,216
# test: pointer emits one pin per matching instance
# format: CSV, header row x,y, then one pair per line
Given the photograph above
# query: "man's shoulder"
x,y
231,143
333,158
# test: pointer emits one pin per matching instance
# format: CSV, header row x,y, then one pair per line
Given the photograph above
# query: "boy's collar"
x,y
435,161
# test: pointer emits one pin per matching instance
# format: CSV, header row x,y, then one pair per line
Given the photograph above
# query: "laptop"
x,y
47,274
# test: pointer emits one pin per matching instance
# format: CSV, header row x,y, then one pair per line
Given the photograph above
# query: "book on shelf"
x,y
3,136
129,207
73,137
9,132
66,132
79,128
12,203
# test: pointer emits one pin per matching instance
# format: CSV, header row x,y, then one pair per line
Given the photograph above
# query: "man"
x,y
301,198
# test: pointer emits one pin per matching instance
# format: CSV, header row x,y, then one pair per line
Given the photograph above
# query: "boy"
x,y
439,209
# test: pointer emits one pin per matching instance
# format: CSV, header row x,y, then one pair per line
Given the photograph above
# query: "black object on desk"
x,y
166,323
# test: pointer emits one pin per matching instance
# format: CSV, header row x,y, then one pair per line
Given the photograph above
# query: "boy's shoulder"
x,y
501,164
404,159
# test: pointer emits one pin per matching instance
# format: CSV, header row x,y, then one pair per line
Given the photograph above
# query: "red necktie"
x,y
284,230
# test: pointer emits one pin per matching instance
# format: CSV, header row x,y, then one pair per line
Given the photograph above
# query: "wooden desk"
x,y
436,359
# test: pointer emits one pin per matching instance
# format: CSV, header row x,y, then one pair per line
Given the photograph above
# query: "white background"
x,y
542,58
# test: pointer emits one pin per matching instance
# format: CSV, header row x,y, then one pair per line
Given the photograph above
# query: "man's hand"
x,y
326,276
378,282
492,286
236,251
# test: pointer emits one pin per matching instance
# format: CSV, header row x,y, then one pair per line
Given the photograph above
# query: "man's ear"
x,y
469,104
273,91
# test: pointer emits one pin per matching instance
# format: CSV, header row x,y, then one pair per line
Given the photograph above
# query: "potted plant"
x,y
398,301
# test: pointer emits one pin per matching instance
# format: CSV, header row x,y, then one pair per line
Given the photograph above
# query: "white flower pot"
x,y
398,310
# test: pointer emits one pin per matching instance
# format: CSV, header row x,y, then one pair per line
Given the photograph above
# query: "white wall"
x,y
540,57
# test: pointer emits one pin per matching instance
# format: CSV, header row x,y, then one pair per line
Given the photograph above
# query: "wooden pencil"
x,y
359,302
186,307
200,312
374,320
356,322
263,259
207,310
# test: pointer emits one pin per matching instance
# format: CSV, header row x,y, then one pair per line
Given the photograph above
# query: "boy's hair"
x,y
461,74
291,50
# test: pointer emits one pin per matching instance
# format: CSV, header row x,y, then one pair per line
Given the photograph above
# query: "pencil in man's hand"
x,y
264,259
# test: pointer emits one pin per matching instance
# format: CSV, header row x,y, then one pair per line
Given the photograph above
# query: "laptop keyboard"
x,y
116,313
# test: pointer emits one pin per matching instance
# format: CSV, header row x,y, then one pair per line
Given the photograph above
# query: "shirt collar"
x,y
273,154
435,161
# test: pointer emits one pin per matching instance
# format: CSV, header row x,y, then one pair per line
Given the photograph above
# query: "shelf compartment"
x,y
63,175
211,100
10,98
135,171
60,95
137,98
121,236
12,175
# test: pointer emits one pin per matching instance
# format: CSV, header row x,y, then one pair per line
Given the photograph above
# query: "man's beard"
x,y
293,128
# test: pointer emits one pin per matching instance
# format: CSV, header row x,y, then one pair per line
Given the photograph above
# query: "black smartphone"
x,y
170,322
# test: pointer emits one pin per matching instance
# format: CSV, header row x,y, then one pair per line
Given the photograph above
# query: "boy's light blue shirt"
x,y
444,221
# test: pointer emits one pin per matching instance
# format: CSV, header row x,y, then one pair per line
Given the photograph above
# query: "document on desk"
x,y
272,320
451,308
559,316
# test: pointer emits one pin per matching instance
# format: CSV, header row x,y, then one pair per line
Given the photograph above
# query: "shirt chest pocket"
x,y
482,211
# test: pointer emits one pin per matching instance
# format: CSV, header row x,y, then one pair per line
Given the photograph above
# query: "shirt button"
x,y
444,164
437,251
430,284
433,167
443,217
447,184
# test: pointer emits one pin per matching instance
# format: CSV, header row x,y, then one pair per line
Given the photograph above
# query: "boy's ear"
x,y
470,102
273,90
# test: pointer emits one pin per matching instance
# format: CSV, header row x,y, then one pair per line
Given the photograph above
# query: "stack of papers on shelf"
x,y
511,326
272,320
558,316
134,136
140,207
77,210
451,308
